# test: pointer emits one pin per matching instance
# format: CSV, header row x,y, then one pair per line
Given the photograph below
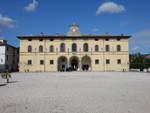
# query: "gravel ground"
x,y
76,92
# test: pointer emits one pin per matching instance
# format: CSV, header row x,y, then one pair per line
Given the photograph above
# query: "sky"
x,y
31,17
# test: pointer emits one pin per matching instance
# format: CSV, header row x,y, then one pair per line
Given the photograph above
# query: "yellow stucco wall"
x,y
35,56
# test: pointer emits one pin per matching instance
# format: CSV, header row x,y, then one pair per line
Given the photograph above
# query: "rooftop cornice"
x,y
83,36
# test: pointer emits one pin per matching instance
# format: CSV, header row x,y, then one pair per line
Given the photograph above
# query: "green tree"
x,y
138,61
6,75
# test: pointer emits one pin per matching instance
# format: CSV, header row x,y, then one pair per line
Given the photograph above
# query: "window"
x,y
51,61
51,48
96,39
29,40
7,48
41,39
40,48
119,61
29,48
96,48
107,48
29,62
1,60
96,61
41,62
85,47
7,58
118,48
17,51
107,61
74,47
107,39
51,39
62,47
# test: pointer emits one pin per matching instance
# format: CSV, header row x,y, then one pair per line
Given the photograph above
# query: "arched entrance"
x,y
74,63
86,63
62,63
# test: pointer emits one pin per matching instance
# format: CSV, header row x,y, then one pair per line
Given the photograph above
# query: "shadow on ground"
x,y
13,82
2,85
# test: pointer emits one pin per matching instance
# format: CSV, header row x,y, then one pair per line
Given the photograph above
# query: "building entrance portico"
x,y
86,63
62,63
74,63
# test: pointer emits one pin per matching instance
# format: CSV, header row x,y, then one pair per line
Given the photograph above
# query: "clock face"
x,y
74,30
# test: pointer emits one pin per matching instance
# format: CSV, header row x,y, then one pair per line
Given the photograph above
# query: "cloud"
x,y
95,30
135,48
32,6
110,7
142,37
6,22
140,40
142,34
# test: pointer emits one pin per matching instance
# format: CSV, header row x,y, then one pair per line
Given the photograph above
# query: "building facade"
x,y
9,56
74,51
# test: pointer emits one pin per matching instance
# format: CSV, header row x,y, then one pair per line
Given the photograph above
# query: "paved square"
x,y
76,92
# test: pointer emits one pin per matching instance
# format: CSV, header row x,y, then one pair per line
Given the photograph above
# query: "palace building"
x,y
74,51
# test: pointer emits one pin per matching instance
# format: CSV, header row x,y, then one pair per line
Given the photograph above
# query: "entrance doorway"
x,y
62,63
86,63
74,63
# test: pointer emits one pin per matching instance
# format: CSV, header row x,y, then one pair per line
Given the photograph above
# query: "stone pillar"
x,y
68,62
80,65
91,65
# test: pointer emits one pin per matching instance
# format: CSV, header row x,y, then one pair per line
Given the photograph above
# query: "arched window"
x,y
62,47
29,48
107,48
118,48
85,47
40,48
51,48
74,47
96,48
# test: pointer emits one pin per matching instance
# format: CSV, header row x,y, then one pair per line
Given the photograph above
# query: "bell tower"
x,y
74,30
